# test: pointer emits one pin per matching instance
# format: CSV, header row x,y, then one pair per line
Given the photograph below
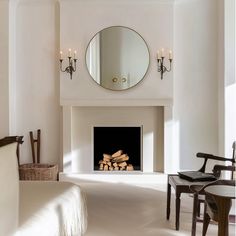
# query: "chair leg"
x,y
194,216
206,221
177,210
168,201
198,208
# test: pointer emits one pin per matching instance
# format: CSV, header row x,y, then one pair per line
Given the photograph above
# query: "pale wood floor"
x,y
126,208
117,209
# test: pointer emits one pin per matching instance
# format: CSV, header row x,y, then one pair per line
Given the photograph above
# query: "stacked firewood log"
x,y
116,161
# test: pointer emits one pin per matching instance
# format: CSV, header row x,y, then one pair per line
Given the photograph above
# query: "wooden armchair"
x,y
215,204
200,191
217,170
183,186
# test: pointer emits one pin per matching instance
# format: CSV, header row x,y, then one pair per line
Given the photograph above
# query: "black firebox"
x,y
109,140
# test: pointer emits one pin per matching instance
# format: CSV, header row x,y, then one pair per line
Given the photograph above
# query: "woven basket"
x,y
38,172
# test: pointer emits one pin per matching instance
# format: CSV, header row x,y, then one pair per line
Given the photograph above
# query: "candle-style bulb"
x,y
158,55
69,52
75,54
60,54
162,52
170,55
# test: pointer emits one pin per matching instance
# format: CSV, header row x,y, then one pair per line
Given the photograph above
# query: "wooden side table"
x,y
223,195
180,186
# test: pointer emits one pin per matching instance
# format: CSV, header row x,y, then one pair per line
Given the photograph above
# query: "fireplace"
x,y
117,148
78,139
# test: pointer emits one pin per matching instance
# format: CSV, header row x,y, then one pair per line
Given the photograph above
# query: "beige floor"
x,y
118,206
127,210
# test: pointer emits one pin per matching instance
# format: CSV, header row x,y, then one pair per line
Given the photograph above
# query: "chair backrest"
x,y
9,182
207,156
217,170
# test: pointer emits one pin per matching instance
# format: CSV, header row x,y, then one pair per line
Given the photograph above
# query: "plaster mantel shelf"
x,y
120,1
118,102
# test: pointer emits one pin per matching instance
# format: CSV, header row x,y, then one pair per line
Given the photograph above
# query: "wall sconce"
x,y
72,63
160,62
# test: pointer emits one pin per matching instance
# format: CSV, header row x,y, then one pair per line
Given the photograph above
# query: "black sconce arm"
x,y
160,66
71,67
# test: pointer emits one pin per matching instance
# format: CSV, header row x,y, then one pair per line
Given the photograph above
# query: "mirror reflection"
x,y
117,58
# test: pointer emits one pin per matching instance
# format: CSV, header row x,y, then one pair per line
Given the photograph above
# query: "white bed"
x,y
37,208
51,209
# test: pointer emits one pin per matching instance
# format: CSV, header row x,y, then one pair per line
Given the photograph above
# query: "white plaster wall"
x,y
221,78
229,29
4,69
193,27
85,118
81,20
230,79
37,77
195,80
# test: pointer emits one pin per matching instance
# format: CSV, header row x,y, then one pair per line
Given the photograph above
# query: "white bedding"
x,y
51,209
9,184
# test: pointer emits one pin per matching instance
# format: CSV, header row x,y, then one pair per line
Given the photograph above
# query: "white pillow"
x,y
9,186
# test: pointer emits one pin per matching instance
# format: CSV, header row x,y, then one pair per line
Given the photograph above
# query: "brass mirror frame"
x,y
147,50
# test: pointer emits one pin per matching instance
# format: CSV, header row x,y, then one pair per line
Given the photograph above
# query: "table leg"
x,y
168,201
177,210
195,211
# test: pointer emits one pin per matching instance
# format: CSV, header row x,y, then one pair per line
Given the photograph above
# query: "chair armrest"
x,y
207,156
212,157
218,168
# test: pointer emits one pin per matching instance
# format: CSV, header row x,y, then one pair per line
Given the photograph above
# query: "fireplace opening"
x,y
117,148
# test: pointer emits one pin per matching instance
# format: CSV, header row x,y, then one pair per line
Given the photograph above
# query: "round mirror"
x,y
117,58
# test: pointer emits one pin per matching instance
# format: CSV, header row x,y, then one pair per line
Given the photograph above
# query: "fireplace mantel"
x,y
69,105
118,102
